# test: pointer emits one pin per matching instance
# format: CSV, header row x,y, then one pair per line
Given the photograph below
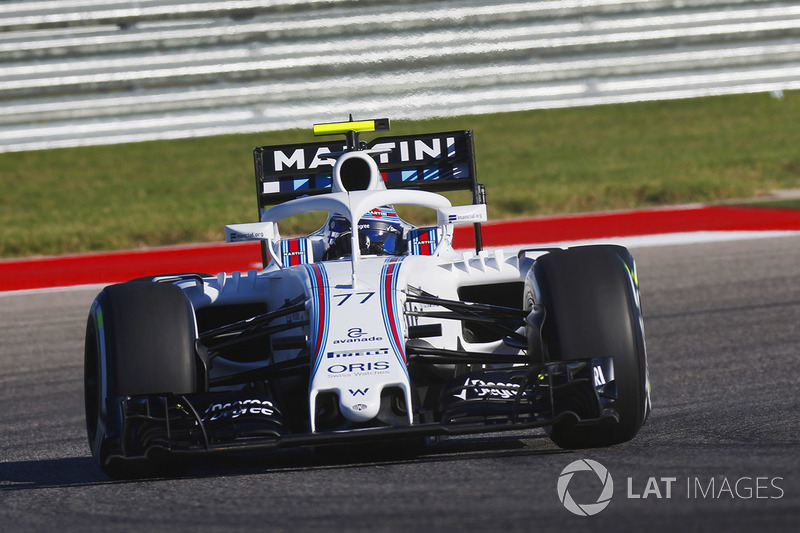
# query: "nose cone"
x,y
360,405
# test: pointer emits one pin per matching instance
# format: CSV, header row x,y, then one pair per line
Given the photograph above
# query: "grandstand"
x,y
92,72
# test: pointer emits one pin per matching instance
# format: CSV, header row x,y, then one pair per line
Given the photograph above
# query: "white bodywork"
x,y
354,321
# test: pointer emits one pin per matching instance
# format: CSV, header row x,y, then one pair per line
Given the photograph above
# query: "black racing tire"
x,y
139,340
592,304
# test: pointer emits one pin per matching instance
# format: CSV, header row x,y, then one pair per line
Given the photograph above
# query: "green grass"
x,y
532,163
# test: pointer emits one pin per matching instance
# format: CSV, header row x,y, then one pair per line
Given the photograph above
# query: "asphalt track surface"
x,y
724,348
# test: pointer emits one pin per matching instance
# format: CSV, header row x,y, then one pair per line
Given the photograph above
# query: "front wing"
x,y
512,398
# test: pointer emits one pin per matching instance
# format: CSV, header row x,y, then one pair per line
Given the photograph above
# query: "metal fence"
x,y
103,71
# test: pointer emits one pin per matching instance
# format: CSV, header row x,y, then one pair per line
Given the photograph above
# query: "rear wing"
x,y
433,162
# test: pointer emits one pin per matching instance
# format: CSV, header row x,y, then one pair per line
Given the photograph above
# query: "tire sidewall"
x,y
593,310
139,340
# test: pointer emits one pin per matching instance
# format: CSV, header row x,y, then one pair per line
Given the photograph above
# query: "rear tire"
x,y
139,340
591,298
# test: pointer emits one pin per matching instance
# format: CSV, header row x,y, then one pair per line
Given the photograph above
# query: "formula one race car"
x,y
369,328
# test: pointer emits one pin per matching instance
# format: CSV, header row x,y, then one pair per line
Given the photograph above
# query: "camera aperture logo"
x,y
585,509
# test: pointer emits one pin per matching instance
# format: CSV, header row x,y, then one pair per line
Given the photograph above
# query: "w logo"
x,y
358,392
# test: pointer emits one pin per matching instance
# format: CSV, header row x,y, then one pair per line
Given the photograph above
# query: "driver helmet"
x,y
380,232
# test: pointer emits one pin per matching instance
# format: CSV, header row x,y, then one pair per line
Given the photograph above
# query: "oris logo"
x,y
358,367
603,499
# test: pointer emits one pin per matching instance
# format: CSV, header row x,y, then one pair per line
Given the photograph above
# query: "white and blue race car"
x,y
370,328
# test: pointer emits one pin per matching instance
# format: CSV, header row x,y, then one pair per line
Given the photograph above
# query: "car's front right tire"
x,y
139,340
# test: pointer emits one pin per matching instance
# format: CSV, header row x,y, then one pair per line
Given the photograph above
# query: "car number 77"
x,y
345,297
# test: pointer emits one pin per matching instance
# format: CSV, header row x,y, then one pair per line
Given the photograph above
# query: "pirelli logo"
x,y
359,353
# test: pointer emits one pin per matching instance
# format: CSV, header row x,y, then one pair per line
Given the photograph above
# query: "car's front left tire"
x,y
591,298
